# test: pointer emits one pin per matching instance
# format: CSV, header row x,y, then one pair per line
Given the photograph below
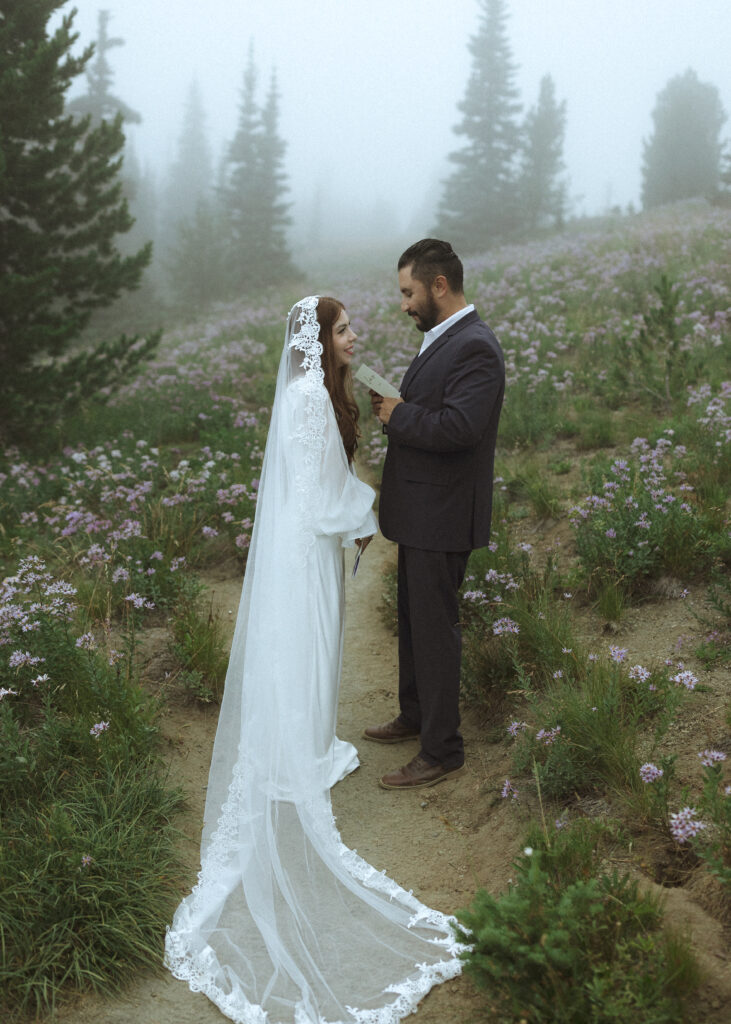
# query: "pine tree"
x,y
682,157
197,264
479,203
60,196
254,184
274,218
99,102
190,179
542,193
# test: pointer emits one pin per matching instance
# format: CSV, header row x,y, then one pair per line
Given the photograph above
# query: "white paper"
x,y
375,382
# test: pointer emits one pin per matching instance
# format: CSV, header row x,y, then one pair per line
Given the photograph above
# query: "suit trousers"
x,y
430,649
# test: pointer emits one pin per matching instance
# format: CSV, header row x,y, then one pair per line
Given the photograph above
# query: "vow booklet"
x,y
375,382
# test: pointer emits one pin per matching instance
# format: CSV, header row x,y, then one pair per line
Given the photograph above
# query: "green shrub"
x,y
571,944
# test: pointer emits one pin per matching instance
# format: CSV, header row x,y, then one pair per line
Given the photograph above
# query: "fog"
x,y
369,88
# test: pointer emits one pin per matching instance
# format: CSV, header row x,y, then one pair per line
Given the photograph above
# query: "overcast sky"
x,y
369,88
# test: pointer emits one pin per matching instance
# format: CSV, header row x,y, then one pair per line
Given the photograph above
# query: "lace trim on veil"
x,y
197,968
311,430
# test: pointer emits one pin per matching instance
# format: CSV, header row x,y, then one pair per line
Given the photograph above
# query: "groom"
x,y
436,498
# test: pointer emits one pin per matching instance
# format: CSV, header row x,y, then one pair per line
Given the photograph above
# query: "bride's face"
x,y
343,340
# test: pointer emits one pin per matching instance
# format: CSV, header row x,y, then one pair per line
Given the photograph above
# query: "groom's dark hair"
x,y
431,257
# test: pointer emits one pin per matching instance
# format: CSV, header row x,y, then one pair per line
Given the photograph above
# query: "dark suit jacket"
x,y
436,491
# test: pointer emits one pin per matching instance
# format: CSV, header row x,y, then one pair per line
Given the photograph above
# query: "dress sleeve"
x,y
334,501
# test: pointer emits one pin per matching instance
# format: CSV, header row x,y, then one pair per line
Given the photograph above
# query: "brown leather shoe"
x,y
390,732
418,773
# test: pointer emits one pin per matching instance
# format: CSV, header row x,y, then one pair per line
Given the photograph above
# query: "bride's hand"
x,y
363,543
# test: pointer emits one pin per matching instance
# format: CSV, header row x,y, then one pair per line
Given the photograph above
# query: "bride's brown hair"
x,y
338,379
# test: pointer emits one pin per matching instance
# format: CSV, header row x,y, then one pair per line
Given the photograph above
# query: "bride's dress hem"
x,y
195,969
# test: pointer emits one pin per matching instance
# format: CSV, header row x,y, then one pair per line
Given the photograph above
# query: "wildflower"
x,y
242,541
7,693
611,533
528,851
548,736
40,679
524,546
515,727
98,728
176,563
683,594
617,654
506,625
560,823
509,790
87,642
711,757
19,658
567,595
684,825
138,601
115,656
558,674
209,531
649,772
638,673
86,860
120,574
686,679
593,657
567,650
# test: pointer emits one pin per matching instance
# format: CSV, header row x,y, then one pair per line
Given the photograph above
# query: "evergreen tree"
x,y
197,264
542,193
61,202
682,157
254,184
273,218
190,178
480,197
99,103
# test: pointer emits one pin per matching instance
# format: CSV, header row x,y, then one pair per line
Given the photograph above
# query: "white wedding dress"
x,y
286,924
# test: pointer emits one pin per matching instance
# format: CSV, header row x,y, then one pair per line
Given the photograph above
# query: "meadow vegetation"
x,y
615,439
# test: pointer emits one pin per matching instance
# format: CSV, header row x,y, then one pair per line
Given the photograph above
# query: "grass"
x,y
65,924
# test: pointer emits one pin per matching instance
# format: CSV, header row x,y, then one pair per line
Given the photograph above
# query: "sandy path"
x,y
432,842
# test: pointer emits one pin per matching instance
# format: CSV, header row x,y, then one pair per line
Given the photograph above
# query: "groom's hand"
x,y
385,407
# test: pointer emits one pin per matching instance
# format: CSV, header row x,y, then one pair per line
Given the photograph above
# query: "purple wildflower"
x,y
509,790
709,758
515,727
684,825
649,772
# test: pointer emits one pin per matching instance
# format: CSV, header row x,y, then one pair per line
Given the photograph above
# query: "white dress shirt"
x,y
437,331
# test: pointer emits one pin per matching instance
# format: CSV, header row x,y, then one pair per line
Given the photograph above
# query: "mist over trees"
x,y
682,157
63,209
506,179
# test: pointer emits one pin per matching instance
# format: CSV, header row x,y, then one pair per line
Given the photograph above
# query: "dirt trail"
x,y
435,842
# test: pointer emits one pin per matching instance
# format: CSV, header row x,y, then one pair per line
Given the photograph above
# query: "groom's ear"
x,y
439,286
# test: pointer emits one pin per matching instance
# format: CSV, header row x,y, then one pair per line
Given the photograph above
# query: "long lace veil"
x,y
286,924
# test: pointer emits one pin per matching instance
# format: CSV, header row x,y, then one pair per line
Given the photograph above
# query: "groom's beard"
x,y
426,316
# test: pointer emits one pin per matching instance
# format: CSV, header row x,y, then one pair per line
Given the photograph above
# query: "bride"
x,y
286,925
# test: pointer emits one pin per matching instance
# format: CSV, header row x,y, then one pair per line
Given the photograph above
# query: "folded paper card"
x,y
375,382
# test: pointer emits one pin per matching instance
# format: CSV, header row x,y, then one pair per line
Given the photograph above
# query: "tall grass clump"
x,y
514,630
86,844
590,724
198,644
